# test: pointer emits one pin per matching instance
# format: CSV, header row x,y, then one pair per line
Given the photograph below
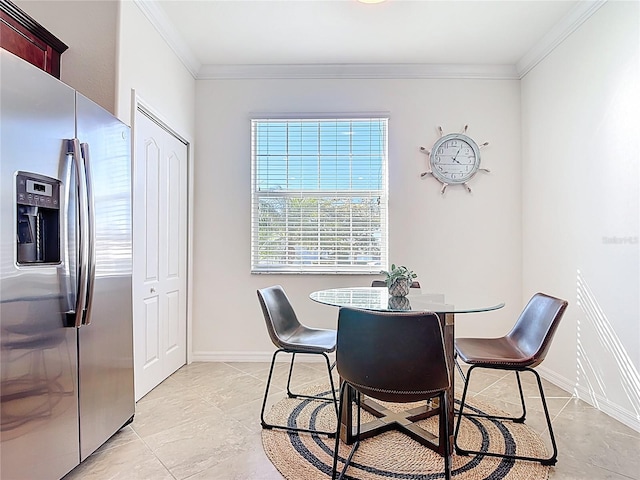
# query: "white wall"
x,y
581,176
89,30
457,241
113,48
148,65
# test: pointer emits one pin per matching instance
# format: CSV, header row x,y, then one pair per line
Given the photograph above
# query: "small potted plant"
x,y
398,280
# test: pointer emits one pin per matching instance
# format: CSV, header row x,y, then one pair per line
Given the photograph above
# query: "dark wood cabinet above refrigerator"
x,y
26,38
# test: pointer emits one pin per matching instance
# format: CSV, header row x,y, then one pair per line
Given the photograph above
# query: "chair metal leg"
x,y
312,397
291,428
337,442
552,460
460,412
460,371
544,461
462,375
356,444
444,428
291,395
519,419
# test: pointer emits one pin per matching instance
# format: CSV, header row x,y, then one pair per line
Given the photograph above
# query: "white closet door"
x,y
159,253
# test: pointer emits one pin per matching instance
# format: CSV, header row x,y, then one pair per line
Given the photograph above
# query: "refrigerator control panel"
x,y
38,219
37,192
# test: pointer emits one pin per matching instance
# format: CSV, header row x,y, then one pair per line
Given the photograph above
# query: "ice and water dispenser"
x,y
38,219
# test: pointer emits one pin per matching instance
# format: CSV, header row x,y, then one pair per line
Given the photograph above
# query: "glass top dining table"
x,y
378,298
446,306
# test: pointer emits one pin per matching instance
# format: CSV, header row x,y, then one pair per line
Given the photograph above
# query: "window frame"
x,y
364,197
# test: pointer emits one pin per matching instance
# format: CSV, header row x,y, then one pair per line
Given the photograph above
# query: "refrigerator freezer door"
x,y
106,342
38,383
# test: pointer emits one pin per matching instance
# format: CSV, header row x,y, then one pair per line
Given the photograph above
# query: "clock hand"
x,y
454,157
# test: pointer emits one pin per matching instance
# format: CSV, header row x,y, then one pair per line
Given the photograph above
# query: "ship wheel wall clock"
x,y
454,159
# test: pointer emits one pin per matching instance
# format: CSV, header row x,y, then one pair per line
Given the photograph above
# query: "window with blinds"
x,y
319,195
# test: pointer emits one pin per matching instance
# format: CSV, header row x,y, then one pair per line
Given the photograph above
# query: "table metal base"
x,y
389,420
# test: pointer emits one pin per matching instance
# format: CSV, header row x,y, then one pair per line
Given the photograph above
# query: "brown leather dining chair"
x,y
520,350
394,357
291,336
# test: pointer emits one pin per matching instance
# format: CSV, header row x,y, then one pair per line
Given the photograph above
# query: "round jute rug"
x,y
302,456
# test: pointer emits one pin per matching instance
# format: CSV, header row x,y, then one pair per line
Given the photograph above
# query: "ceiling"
x,y
214,33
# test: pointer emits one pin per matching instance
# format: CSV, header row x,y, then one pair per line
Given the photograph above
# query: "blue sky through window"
x,y
320,155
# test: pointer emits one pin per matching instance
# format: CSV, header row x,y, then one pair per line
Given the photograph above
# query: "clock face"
x,y
455,158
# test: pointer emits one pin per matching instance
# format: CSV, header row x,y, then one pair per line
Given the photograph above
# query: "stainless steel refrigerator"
x,y
66,331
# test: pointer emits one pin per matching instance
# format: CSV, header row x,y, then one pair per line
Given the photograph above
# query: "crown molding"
x,y
565,27
167,31
356,71
560,31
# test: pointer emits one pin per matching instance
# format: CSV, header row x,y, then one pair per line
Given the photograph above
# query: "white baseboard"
x,y
255,357
630,419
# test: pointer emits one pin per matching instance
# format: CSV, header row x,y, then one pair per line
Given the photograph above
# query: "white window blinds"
x,y
319,195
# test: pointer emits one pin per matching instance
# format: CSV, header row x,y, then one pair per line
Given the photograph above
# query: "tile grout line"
x,y
153,453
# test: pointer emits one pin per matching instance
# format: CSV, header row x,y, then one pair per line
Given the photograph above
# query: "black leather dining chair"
x,y
520,350
291,336
394,357
416,284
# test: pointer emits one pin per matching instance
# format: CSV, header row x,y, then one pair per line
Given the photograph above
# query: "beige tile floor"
x,y
202,423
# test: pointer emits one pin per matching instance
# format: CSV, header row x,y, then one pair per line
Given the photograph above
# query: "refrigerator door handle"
x,y
83,220
91,234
